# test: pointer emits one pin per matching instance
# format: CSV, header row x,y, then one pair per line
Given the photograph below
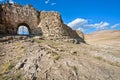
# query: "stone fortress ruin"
x,y
47,24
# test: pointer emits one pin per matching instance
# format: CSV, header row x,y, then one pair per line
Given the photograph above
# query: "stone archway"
x,y
23,29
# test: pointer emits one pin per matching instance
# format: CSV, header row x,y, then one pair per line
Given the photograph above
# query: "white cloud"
x,y
81,29
84,25
53,4
11,1
47,1
77,23
99,26
115,25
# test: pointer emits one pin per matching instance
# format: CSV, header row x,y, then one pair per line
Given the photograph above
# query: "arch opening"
x,y
23,29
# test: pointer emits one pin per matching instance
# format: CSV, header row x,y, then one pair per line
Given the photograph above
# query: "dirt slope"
x,y
39,59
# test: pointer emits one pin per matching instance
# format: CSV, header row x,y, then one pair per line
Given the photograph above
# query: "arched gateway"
x,y
23,29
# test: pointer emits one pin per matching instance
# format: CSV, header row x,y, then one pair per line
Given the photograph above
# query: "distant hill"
x,y
111,37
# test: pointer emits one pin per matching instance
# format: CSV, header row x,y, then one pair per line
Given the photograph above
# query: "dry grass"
x,y
7,66
54,55
79,56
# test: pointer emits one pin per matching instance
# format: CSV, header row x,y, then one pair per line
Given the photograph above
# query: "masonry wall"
x,y
14,15
2,27
49,24
0,14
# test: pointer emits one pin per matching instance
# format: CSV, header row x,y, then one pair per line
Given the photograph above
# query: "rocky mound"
x,y
39,59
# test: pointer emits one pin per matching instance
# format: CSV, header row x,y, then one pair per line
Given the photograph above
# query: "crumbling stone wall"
x,y
52,25
14,15
49,24
2,27
0,14
80,34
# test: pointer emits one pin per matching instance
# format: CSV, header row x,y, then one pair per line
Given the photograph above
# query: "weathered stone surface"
x,y
49,24
80,33
53,26
60,62
14,15
2,28
0,14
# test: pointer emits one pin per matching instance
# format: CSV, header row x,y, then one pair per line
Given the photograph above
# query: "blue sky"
x,y
23,30
86,15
